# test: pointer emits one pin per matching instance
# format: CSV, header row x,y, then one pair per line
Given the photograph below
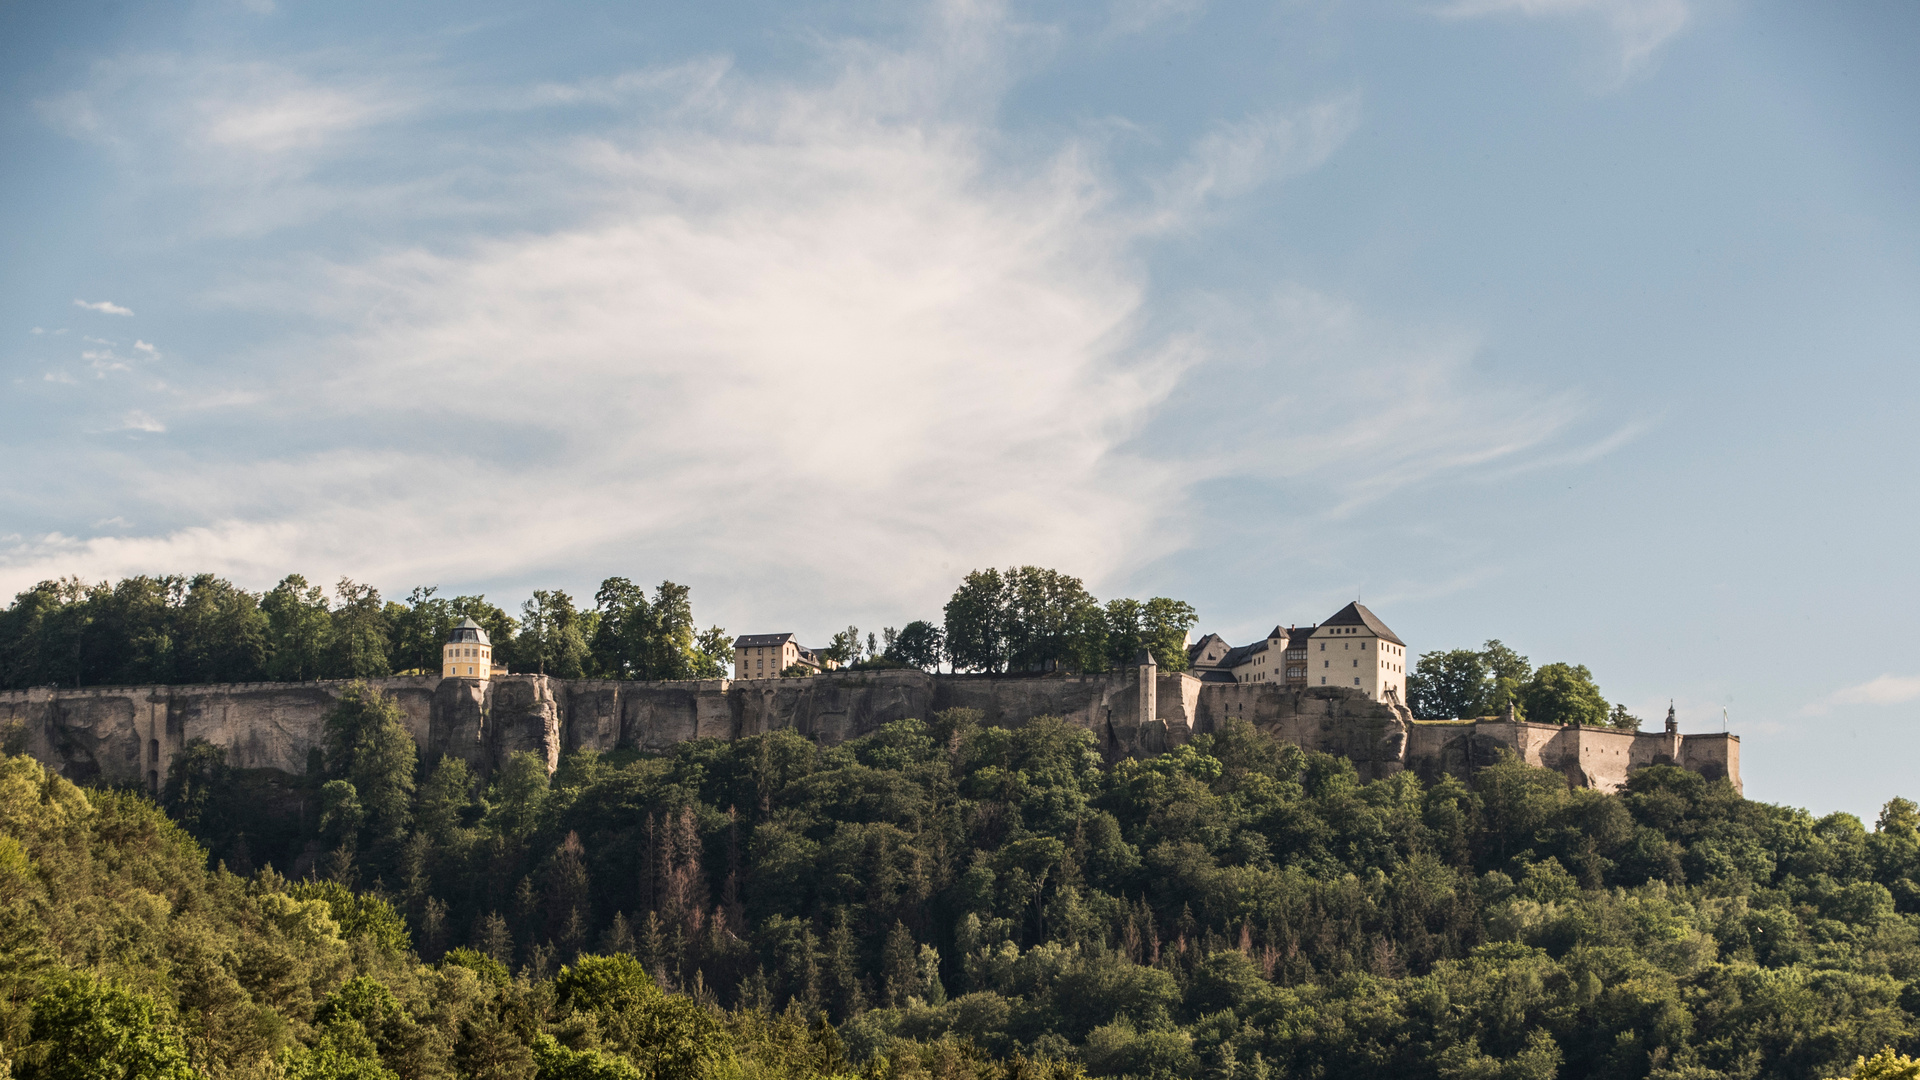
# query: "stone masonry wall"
x,y
131,734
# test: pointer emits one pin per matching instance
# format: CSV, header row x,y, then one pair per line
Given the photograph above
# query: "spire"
x,y
1673,725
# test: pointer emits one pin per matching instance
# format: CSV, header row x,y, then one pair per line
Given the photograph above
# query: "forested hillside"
x,y
1235,908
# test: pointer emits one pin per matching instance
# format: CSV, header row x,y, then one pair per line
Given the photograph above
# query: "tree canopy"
x,y
204,629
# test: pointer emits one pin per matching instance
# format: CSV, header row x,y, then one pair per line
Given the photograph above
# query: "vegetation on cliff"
x,y
204,629
1487,681
1237,907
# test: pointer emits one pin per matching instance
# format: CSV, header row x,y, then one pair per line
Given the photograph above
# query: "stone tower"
x,y
1149,687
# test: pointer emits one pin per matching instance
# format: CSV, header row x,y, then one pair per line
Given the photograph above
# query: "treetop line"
x,y
201,628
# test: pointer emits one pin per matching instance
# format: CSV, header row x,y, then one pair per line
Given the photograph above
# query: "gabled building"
x,y
1353,648
766,656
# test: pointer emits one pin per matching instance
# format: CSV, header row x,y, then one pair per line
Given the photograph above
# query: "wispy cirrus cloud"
x,y
1884,690
835,319
1638,27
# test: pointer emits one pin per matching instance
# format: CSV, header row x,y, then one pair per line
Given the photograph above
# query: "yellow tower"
x,y
467,654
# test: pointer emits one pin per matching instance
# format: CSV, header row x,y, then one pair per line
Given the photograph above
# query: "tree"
x,y
421,629
844,649
1159,625
368,745
919,643
712,652
1457,683
1052,622
299,625
221,633
976,622
360,633
94,1030
553,635
1885,1065
1508,670
1563,694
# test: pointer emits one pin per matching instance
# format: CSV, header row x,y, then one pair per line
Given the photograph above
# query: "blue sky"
x,y
1591,325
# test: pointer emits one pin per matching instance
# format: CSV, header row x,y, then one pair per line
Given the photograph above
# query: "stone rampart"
x,y
131,735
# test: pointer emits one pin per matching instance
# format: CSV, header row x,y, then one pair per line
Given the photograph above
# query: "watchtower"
x,y
467,654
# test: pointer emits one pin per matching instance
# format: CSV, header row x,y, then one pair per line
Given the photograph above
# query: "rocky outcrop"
x,y
130,734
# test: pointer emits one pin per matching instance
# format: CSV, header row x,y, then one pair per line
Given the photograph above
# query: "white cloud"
x,y
1136,16
1236,158
1638,27
1885,690
58,377
809,347
143,346
136,420
102,361
39,330
280,113
106,307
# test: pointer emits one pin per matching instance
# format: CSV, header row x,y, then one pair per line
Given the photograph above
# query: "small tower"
x,y
467,654
1673,725
1149,686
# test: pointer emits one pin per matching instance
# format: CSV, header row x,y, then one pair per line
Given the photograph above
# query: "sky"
x,y
1588,325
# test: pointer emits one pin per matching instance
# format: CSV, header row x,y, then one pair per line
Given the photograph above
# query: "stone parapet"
x,y
130,735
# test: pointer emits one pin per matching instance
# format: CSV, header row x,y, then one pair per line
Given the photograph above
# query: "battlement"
x,y
132,734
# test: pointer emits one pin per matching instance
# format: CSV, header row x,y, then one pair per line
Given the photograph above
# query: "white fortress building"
x,y
1353,648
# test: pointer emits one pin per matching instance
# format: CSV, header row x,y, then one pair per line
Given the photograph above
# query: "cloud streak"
x,y
1638,27
809,346
105,307
1885,690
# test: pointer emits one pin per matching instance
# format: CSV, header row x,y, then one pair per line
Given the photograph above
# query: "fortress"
x,y
130,735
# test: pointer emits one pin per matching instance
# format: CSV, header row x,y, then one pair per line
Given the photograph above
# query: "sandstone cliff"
x,y
130,735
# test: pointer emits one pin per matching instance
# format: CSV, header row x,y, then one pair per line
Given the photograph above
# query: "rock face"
x,y
130,735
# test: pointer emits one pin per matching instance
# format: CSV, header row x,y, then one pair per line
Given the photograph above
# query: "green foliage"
x,y
947,898
553,636
1563,694
919,644
369,748
1885,1065
1464,683
1033,619
203,629
84,1029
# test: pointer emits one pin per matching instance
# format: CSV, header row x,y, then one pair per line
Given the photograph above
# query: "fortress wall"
x,y
132,734
1599,758
1713,755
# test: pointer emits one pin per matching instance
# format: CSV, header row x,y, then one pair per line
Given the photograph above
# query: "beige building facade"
x,y
766,656
468,654
1352,649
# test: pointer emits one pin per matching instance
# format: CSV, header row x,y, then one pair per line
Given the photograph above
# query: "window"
x,y
1323,646
1323,680
1356,680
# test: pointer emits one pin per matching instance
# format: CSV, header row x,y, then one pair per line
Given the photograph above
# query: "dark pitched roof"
x,y
468,630
1197,652
1278,632
759,641
1356,614
1237,656
1143,659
